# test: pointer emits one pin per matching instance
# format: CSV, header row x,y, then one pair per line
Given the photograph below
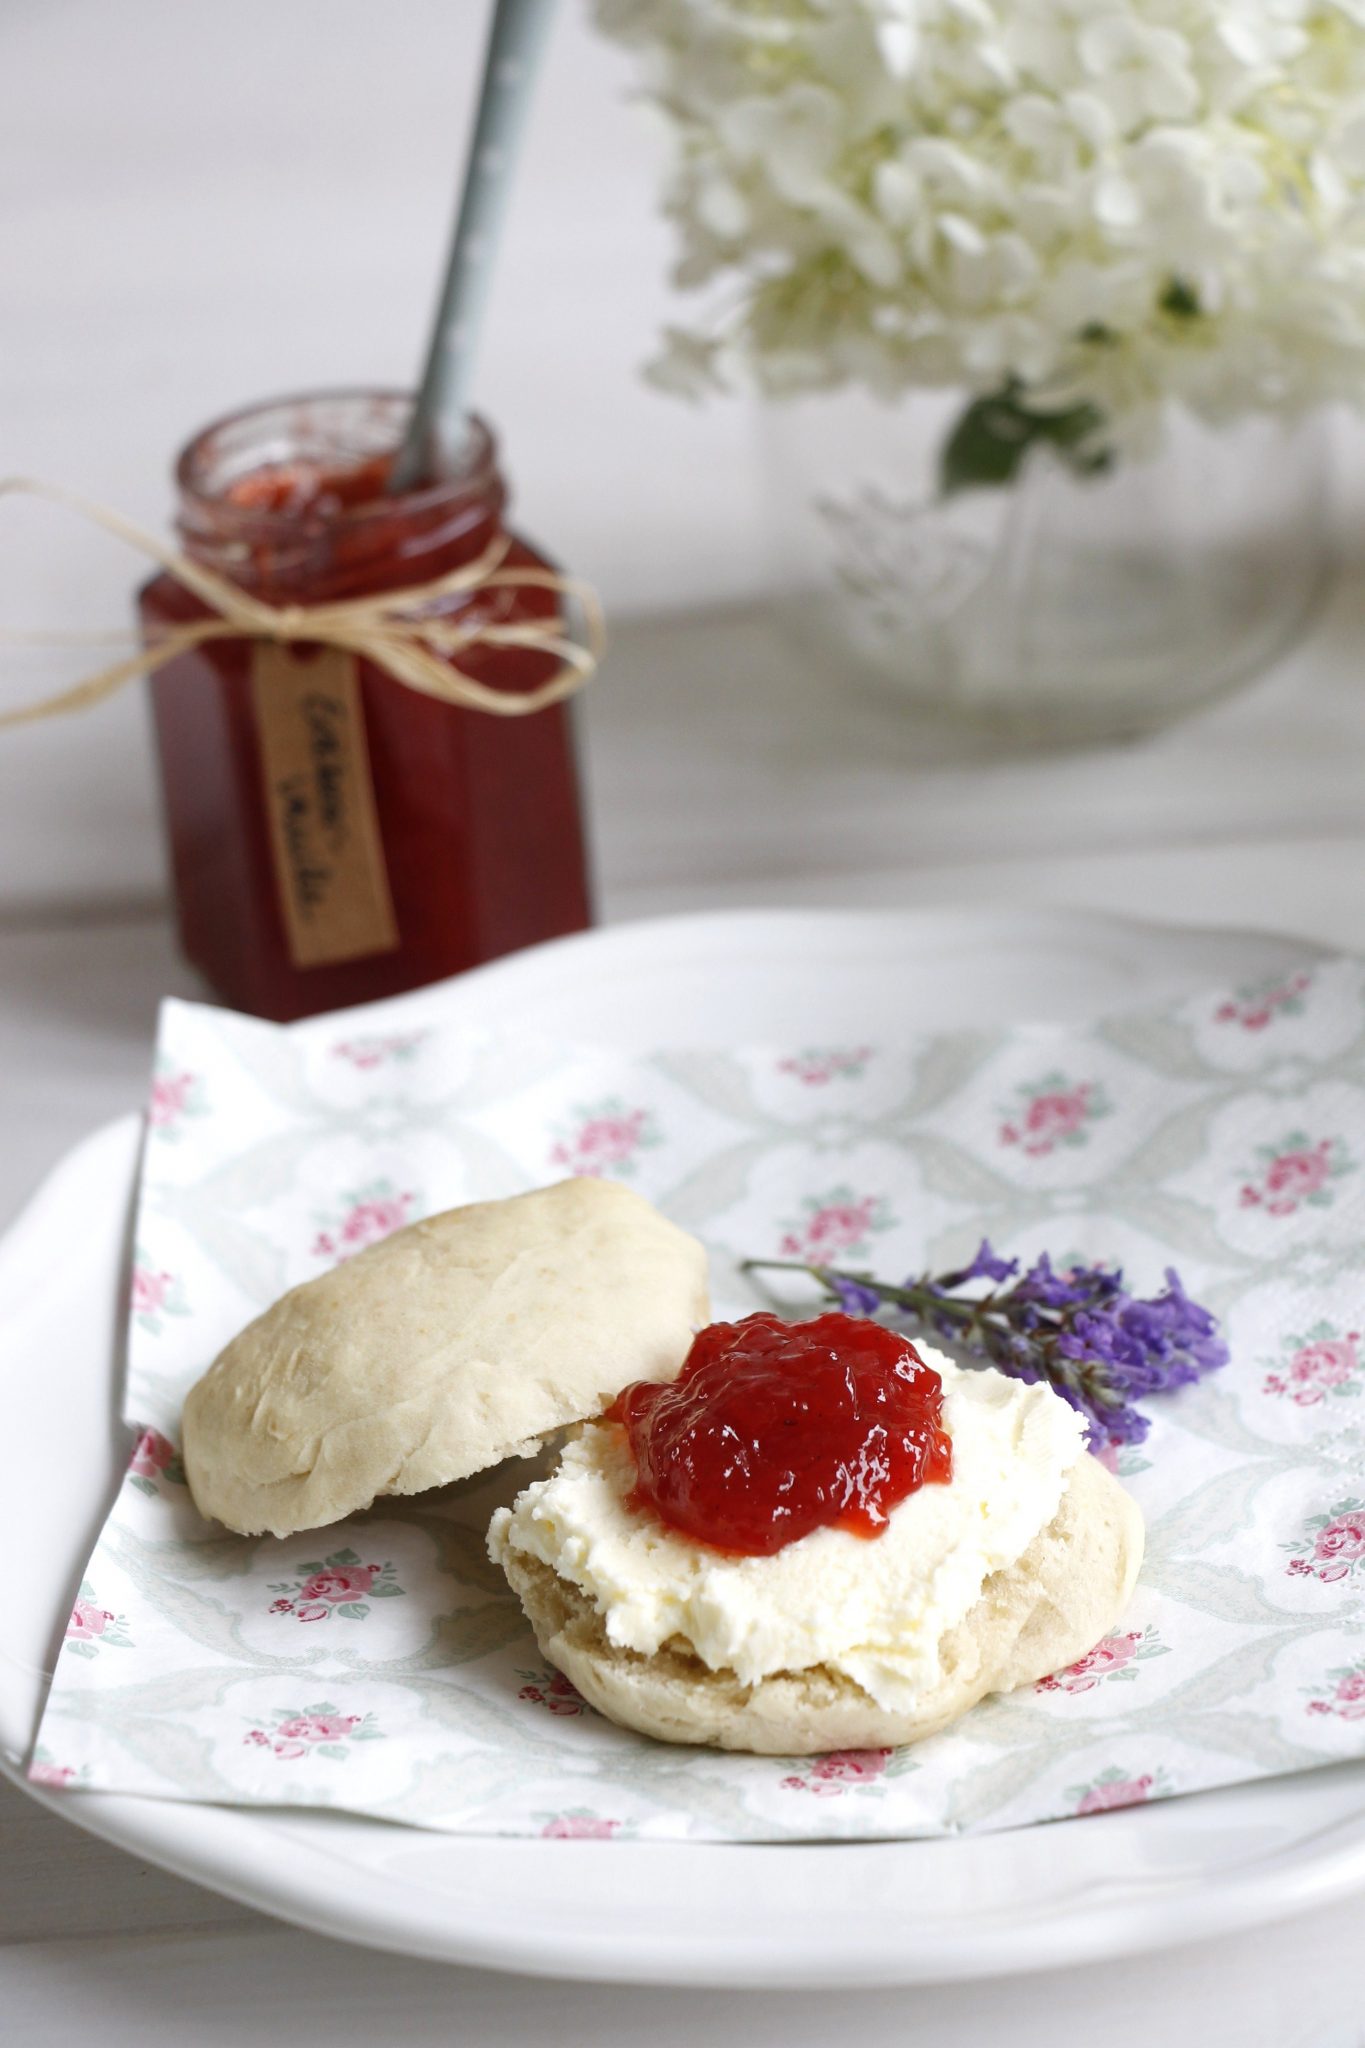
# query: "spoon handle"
x,y
515,42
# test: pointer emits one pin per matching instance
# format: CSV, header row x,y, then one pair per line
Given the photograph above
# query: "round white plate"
x,y
696,1914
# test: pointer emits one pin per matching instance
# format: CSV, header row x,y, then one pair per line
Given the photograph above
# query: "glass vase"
x,y
1059,609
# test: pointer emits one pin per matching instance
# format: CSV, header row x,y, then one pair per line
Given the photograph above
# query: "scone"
x,y
453,1344
1015,1567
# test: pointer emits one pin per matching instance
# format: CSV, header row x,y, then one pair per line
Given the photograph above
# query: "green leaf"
x,y
1180,300
343,1557
991,441
331,1749
354,1610
383,1592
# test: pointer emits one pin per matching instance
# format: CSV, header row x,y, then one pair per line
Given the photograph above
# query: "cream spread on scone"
x,y
874,1609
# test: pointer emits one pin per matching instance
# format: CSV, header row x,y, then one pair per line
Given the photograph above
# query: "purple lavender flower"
x,y
1079,1330
985,1265
855,1297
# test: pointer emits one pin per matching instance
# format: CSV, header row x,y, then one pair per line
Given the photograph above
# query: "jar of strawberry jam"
x,y
336,835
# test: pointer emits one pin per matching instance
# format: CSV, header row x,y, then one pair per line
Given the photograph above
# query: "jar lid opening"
x,y
313,441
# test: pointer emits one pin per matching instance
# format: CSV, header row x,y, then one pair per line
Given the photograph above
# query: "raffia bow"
x,y
388,629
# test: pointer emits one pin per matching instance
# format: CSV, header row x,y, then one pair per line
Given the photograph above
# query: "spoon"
x,y
436,428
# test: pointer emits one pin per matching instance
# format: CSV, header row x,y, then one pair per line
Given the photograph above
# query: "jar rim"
x,y
203,493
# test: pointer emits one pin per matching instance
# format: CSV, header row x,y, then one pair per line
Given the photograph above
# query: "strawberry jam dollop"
x,y
774,1429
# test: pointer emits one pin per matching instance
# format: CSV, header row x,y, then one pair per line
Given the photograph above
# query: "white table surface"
x,y
721,775
177,235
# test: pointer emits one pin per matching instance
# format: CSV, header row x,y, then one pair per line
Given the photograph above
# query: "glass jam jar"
x,y
335,835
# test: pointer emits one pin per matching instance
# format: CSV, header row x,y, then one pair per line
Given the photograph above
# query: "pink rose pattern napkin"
x,y
382,1667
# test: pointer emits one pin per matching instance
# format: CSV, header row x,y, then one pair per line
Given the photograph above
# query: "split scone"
x,y
1016,1566
453,1344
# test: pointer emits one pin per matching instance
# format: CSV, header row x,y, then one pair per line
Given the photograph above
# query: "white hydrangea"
x,y
1108,201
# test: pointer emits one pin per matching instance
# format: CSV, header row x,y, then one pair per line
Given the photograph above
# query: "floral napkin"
x,y
381,1666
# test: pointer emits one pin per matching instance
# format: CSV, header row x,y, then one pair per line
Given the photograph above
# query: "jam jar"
x,y
335,834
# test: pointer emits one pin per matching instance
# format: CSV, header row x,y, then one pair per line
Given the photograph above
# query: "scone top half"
x,y
453,1344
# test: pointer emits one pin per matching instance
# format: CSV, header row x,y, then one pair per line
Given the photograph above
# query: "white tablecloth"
x,y
181,229
91,1946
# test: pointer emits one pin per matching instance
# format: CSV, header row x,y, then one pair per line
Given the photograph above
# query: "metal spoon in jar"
x,y
436,427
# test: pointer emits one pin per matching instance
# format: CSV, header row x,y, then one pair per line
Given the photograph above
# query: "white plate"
x,y
699,1914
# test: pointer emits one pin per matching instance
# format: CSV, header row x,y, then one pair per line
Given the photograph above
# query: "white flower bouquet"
x,y
1073,210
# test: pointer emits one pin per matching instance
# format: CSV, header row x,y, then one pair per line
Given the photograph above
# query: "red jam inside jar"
x,y
475,819
774,1429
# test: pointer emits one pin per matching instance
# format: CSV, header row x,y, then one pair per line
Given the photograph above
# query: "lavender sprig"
x,y
1078,1330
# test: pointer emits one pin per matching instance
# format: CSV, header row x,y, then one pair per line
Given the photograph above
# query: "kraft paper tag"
x,y
324,829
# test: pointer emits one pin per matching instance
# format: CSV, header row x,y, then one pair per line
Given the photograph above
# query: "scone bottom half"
x,y
734,1559
1050,1608
456,1343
